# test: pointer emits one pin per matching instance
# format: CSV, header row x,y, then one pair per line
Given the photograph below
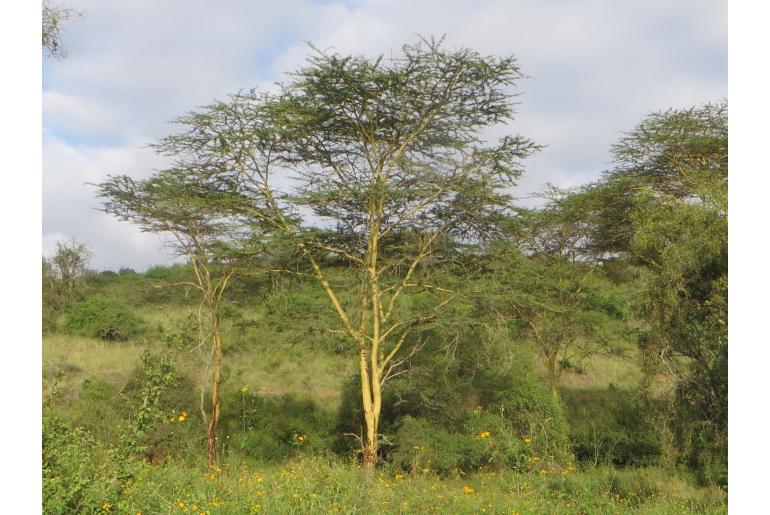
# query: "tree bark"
x,y
371,412
211,447
553,379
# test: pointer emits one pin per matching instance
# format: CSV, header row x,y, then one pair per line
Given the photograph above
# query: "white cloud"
x,y
596,69
70,205
84,118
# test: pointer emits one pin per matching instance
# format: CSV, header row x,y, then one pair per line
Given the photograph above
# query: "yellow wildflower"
x,y
244,388
107,506
527,440
484,434
468,490
399,477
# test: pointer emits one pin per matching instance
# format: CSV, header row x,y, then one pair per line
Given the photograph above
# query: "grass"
x,y
602,372
305,373
288,350
68,360
328,485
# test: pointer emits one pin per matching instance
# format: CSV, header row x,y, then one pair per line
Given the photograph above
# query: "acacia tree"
x,y
665,205
389,154
190,206
555,288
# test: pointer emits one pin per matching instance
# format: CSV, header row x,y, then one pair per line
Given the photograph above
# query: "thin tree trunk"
x,y
371,414
553,379
211,448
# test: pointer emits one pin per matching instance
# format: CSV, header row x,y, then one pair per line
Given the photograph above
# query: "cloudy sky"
x,y
595,68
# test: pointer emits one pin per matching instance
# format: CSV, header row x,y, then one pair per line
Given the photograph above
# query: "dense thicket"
x,y
665,206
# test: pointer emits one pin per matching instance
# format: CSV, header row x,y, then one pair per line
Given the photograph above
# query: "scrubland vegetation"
x,y
471,428
436,348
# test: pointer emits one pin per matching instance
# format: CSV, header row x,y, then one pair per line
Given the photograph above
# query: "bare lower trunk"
x,y
370,394
370,453
211,447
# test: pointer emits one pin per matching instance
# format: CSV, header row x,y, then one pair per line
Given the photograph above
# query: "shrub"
x,y
271,429
485,441
480,382
104,319
159,394
99,409
79,474
611,427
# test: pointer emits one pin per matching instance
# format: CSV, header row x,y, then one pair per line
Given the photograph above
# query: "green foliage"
x,y
484,441
566,306
158,285
159,394
79,474
104,319
99,401
679,153
448,387
612,427
271,429
63,281
50,322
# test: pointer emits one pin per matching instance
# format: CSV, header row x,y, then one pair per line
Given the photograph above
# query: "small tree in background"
x,y
63,273
548,280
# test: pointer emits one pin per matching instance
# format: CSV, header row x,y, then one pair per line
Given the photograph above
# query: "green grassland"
x,y
284,381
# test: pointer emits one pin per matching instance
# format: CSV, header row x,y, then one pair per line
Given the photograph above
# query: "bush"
x,y
611,427
484,441
271,429
104,319
99,409
79,474
480,382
